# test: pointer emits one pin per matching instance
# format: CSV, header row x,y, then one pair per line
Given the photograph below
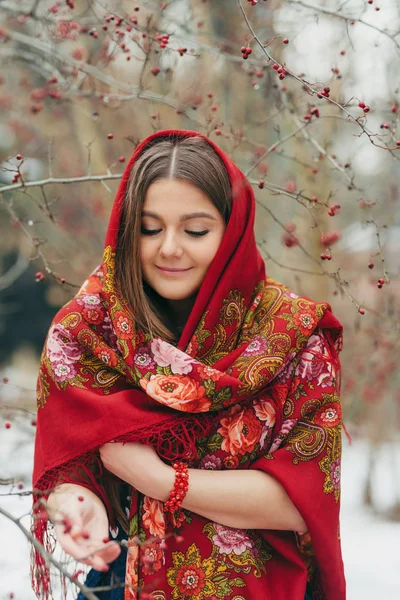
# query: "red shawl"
x,y
252,383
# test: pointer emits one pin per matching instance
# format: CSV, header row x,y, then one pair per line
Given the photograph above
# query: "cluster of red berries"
x,y
163,40
325,92
280,70
252,2
364,106
333,209
314,112
246,51
288,237
385,126
180,488
16,177
328,239
381,283
325,256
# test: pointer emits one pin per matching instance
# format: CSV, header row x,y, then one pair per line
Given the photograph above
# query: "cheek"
x,y
209,250
145,250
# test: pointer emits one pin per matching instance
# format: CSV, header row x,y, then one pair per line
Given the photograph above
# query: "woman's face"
x,y
181,233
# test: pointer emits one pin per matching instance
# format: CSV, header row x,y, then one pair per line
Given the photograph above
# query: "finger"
x,y
110,553
83,551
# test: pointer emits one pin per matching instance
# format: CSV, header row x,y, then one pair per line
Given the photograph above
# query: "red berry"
x,y
110,136
361,104
19,157
155,71
217,132
7,424
361,311
285,41
40,276
80,498
122,159
371,265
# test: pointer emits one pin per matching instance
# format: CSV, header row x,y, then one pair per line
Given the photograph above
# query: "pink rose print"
x,y
62,371
231,540
61,346
144,359
211,462
335,474
89,301
284,431
265,411
286,371
167,355
314,362
109,335
265,437
256,347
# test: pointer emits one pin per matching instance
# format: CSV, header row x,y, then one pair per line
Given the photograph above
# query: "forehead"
x,y
172,196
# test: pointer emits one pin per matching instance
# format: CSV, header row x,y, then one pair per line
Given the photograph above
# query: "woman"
x,y
189,402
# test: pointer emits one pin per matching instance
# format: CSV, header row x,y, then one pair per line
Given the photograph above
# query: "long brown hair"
x,y
191,159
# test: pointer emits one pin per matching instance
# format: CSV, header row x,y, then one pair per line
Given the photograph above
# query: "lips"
x,y
169,270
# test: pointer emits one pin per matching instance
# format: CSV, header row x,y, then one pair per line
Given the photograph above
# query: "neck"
x,y
180,311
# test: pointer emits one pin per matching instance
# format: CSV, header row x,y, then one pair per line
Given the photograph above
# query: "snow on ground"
x,y
370,544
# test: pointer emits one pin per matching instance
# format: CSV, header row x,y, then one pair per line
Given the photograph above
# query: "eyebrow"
x,y
147,213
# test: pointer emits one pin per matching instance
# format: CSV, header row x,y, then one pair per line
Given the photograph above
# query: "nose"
x,y
170,246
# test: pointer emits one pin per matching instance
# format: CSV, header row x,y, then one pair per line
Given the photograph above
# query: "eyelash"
x,y
192,233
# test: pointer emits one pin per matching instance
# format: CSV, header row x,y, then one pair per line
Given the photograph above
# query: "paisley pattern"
x,y
252,383
211,560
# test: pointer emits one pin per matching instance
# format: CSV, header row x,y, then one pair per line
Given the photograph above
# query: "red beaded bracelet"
x,y
180,488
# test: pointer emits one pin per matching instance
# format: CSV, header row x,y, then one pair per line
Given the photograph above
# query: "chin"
x,y
178,295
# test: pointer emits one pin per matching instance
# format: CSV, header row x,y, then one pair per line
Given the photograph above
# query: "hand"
x,y
82,526
140,466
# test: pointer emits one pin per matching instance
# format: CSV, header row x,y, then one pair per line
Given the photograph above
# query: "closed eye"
x,y
192,233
